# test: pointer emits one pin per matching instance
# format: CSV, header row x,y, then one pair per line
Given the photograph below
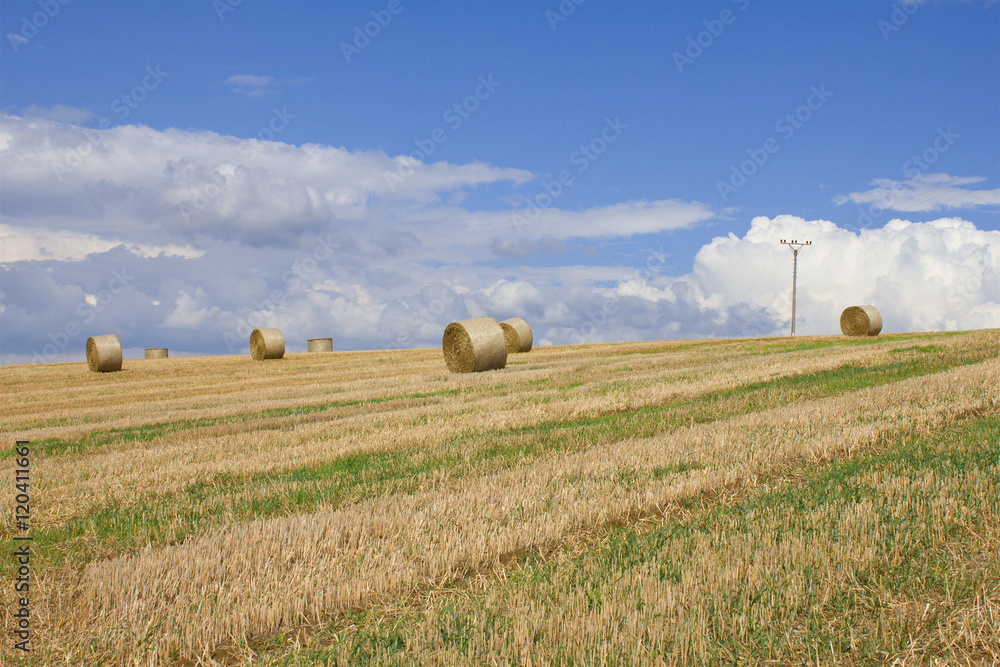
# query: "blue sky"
x,y
608,170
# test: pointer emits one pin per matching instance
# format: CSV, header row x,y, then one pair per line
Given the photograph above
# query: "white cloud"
x,y
254,85
512,296
190,239
60,113
189,184
251,84
921,276
19,244
189,313
925,192
622,219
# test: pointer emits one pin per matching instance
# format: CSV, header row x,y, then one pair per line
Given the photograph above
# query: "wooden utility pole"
x,y
795,246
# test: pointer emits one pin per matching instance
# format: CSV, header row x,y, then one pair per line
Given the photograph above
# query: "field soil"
x,y
807,500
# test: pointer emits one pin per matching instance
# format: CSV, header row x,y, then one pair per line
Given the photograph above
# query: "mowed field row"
x,y
209,509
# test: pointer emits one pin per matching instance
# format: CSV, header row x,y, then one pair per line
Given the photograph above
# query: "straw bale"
x,y
473,345
523,332
860,321
156,353
104,353
267,343
511,339
320,344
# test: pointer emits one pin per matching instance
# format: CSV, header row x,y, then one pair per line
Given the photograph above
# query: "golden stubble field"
x,y
371,508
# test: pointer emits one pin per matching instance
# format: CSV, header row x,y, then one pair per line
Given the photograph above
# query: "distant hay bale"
x,y
267,344
320,344
511,340
104,353
156,353
860,321
518,335
476,344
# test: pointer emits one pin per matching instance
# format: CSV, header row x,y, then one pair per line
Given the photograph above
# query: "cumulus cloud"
x,y
189,240
61,113
26,244
182,185
937,275
925,192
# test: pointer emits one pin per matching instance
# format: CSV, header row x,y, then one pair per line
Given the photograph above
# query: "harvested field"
x,y
673,502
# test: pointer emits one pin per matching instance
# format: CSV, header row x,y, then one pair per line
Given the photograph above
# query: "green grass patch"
x,y
926,349
224,499
146,432
891,532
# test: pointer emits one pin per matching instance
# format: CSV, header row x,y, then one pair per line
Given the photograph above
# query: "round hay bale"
x,y
524,337
104,353
320,344
511,340
267,344
156,353
473,345
860,321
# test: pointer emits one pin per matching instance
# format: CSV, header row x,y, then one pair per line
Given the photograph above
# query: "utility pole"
x,y
795,246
